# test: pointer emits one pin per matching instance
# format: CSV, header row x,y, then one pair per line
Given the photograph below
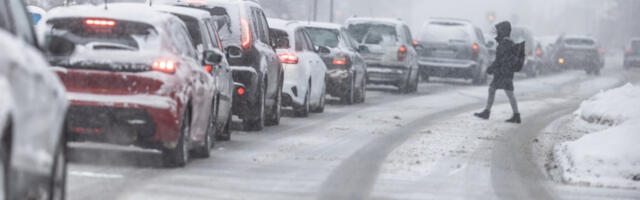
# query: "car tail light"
x,y
288,58
628,51
340,60
476,50
402,53
164,65
602,51
208,68
415,43
241,91
246,34
106,23
538,52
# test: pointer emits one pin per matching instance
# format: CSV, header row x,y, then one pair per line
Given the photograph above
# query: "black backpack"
x,y
518,56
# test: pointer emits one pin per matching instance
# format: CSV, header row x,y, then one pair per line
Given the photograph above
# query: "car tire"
x,y
276,112
204,151
179,156
304,109
58,175
257,123
362,97
349,98
225,133
322,102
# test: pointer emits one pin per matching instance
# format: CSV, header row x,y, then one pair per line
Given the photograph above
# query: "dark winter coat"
x,y
502,67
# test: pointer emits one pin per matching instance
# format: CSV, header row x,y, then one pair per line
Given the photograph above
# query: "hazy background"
x,y
613,22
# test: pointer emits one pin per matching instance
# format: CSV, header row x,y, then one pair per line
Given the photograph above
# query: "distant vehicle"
x,y
347,74
492,46
37,14
133,79
388,50
632,54
204,36
304,71
532,61
245,35
33,149
579,52
544,53
453,48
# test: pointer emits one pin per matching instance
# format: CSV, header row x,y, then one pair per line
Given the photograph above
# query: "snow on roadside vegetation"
x,y
609,156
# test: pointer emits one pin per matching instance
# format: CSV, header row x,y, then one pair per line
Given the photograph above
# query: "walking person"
x,y
503,69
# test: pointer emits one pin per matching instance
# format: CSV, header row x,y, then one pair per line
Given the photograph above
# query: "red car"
x,y
133,78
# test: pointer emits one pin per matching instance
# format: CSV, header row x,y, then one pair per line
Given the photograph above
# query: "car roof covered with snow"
x,y
449,20
186,11
136,12
283,24
360,20
323,25
581,37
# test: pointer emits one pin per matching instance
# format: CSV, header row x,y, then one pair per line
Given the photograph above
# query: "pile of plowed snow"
x,y
610,156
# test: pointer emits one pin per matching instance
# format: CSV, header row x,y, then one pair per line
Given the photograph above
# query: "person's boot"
x,y
483,115
515,119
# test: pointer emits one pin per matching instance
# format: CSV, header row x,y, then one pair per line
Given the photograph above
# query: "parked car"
x,y
304,71
532,61
347,70
204,36
245,35
33,105
453,48
632,54
388,50
133,79
579,52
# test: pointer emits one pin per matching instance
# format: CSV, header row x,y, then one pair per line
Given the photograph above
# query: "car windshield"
x,y
579,42
372,33
324,37
445,32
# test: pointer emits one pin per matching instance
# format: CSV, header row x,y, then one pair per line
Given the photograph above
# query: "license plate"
x,y
444,53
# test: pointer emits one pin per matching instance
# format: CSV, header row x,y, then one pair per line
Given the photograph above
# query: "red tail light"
x,y
602,51
628,51
246,34
538,52
475,47
288,58
340,59
415,43
164,65
402,53
240,91
208,68
100,22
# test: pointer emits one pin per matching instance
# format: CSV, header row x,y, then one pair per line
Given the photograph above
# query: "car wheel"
x,y
58,177
350,96
225,133
303,110
363,91
212,129
179,156
257,123
276,112
321,104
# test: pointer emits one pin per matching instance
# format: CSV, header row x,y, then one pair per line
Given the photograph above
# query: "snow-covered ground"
x,y
609,154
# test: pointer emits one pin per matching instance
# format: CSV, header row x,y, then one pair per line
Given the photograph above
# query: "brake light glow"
x,y
241,91
195,2
402,53
246,34
475,47
602,51
208,68
538,52
560,60
628,51
100,22
288,58
339,61
415,43
164,65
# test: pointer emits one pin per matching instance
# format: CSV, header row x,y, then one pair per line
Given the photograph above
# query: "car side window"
x,y
259,25
299,40
22,23
265,27
183,41
407,33
480,36
215,40
308,44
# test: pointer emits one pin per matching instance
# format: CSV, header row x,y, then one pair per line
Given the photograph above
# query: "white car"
x,y
304,71
32,114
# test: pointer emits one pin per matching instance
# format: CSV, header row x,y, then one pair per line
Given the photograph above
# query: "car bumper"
x,y
338,82
150,123
632,62
579,63
388,75
247,77
459,69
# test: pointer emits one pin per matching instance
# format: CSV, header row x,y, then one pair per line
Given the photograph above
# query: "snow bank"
x,y
612,107
609,157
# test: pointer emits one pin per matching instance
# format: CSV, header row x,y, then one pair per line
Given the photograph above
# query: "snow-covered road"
x,y
419,146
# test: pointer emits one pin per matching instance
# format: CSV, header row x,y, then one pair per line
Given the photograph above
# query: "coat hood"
x,y
503,29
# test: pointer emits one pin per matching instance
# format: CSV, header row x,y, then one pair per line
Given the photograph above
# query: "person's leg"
x,y
490,99
513,101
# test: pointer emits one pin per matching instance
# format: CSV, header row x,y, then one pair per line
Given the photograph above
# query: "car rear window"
x,y
580,42
445,32
227,18
324,37
372,33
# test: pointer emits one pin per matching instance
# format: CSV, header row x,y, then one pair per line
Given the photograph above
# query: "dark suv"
x,y
632,54
579,52
453,49
258,74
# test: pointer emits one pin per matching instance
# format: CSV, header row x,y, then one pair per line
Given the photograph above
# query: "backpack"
x,y
518,57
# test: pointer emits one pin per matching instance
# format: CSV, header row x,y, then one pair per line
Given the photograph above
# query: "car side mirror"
x,y
363,49
59,46
212,58
323,50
